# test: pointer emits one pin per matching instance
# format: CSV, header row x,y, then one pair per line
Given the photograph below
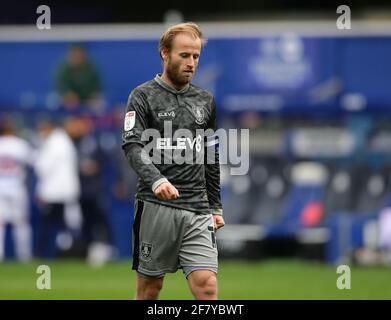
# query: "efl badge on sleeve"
x,y
130,120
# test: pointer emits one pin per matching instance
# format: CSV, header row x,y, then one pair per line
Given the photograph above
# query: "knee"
x,y
205,287
152,292
149,290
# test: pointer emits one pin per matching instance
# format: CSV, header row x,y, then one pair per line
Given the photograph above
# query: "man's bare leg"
x,y
203,284
148,288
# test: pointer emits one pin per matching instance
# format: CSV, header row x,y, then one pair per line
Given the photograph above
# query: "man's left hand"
x,y
219,221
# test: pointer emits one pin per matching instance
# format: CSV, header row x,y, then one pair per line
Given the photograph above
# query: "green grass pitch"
x,y
270,279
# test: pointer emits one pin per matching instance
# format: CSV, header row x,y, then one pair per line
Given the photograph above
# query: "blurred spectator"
x,y
95,229
58,184
78,81
250,120
385,234
15,155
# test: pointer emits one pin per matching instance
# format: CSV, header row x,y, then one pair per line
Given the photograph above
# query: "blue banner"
x,y
287,74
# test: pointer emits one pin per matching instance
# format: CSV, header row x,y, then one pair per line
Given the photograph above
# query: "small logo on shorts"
x,y
146,250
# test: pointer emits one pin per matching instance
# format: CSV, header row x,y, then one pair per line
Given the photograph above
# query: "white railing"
x,y
83,32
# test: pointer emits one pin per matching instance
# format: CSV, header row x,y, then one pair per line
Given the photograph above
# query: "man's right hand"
x,y
166,191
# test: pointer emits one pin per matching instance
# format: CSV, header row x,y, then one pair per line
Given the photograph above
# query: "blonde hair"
x,y
169,35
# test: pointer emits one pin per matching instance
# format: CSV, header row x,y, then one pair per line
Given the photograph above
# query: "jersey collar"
x,y
166,86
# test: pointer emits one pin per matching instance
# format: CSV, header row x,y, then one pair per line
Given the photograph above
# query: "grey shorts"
x,y
167,238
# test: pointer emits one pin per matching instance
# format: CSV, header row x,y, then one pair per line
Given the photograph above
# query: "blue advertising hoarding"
x,y
284,74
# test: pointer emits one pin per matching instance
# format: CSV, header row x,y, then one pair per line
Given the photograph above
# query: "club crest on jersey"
x,y
146,250
130,120
199,114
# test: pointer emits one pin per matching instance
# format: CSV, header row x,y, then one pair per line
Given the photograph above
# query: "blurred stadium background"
x,y
316,99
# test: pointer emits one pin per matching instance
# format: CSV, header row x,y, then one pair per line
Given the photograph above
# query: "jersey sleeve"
x,y
212,164
135,122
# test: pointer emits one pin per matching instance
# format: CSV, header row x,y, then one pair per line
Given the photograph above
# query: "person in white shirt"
x,y
15,155
58,185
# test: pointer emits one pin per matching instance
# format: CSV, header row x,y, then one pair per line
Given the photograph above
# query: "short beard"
x,y
175,77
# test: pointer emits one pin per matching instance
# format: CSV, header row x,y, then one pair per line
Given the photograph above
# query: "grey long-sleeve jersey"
x,y
166,137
